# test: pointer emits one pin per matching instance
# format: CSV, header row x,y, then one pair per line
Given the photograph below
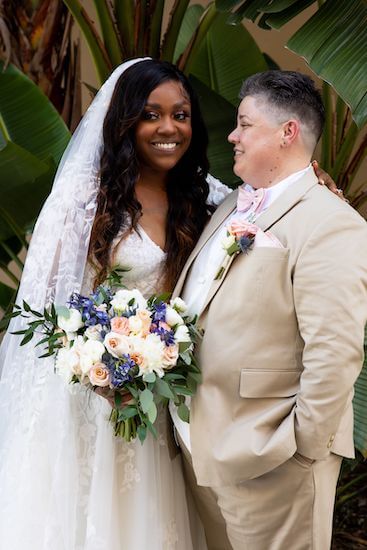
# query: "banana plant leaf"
x,y
223,69
188,27
25,182
360,407
28,118
33,137
219,116
333,41
6,295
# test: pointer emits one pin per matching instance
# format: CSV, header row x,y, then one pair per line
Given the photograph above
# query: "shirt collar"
x,y
273,192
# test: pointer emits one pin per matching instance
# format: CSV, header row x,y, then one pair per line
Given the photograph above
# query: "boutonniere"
x,y
240,238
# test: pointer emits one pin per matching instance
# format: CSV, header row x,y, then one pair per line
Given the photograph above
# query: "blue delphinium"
x,y
120,370
159,312
88,309
167,336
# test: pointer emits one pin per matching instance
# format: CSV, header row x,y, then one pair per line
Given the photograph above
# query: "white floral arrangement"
x,y
138,353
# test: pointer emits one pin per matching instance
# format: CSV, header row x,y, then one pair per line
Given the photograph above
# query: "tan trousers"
x,y
289,508
206,505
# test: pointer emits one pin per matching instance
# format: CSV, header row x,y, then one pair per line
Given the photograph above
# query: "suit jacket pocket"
x,y
269,383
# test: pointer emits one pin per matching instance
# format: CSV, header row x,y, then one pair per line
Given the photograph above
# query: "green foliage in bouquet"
x,y
136,353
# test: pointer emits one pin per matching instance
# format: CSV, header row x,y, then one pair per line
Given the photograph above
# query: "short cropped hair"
x,y
290,94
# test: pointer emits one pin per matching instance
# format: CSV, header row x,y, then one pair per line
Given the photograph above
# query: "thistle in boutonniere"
x,y
240,238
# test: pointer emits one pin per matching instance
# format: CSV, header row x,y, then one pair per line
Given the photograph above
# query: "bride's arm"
x,y
218,191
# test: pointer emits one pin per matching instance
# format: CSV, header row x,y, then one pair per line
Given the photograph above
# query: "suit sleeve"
x,y
330,294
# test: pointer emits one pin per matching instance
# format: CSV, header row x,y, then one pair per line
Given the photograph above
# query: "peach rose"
x,y
99,375
120,325
144,316
170,356
240,228
138,359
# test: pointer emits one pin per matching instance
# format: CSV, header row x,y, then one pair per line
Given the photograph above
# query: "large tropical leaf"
x,y
25,182
333,41
29,118
223,69
360,407
219,116
6,295
32,138
188,27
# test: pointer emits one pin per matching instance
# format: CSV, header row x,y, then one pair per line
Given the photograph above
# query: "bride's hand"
x,y
325,179
109,394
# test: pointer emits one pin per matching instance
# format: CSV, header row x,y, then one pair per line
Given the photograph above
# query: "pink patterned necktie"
x,y
250,199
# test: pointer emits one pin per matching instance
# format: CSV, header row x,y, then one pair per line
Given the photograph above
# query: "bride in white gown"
x,y
66,483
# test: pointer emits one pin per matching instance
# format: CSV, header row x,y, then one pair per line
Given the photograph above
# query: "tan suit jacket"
x,y
283,341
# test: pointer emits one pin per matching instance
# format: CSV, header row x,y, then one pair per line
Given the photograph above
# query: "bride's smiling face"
x,y
163,135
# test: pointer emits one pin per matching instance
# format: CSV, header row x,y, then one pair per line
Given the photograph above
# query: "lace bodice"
x,y
143,258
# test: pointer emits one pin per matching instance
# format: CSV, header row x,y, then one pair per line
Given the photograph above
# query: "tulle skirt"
x,y
67,483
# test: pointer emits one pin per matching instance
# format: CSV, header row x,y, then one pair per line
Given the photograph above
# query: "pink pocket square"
x,y
266,239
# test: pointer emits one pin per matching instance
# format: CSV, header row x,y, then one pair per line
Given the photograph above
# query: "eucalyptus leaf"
x,y
183,390
184,346
127,412
63,311
146,400
149,377
142,432
183,412
163,388
152,413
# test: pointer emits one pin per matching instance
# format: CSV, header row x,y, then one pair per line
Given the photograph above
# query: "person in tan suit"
x,y
279,282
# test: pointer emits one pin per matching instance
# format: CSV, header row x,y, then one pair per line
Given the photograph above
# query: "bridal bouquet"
x,y
138,352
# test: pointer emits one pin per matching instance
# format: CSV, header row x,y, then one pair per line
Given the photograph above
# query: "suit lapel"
x,y
283,204
286,201
222,212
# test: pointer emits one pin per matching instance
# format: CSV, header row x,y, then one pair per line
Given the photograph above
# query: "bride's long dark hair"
x,y
187,188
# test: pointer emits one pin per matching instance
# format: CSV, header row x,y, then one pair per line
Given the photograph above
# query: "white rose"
x,y
67,363
152,350
71,323
135,324
90,354
123,297
172,317
182,334
94,332
228,242
179,305
117,344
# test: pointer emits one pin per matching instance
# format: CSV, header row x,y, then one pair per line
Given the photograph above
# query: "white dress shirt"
x,y
207,264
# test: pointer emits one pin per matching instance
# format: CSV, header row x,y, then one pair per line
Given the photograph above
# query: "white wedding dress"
x,y
66,482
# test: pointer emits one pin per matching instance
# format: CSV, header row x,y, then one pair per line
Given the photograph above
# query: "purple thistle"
x,y
245,243
120,370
